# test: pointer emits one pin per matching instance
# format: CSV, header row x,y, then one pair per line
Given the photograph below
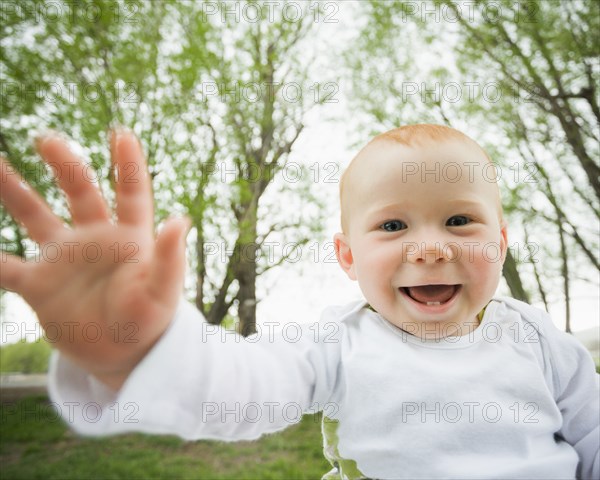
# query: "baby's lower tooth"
x,y
434,303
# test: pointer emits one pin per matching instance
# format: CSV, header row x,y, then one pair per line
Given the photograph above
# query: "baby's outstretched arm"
x,y
117,275
128,344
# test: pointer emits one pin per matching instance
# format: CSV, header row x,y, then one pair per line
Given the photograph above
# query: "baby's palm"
x,y
104,292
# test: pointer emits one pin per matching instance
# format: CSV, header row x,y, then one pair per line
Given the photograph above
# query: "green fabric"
x,y
343,468
480,314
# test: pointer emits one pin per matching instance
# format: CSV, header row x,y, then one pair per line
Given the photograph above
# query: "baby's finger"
x,y
168,267
133,189
85,200
26,206
12,272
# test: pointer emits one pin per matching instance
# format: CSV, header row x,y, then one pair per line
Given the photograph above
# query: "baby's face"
x,y
423,234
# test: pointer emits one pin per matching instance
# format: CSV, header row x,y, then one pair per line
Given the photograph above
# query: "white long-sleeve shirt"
x,y
516,398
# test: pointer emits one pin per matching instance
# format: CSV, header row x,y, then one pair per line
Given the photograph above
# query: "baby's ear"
x,y
344,254
503,240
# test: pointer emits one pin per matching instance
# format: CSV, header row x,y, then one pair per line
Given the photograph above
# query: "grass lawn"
x,y
34,445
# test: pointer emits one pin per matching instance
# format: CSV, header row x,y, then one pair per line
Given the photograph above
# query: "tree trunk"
x,y
513,279
221,305
565,275
536,273
200,268
574,139
247,295
246,271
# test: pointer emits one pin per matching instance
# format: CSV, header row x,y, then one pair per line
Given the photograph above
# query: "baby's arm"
x,y
576,391
136,368
201,382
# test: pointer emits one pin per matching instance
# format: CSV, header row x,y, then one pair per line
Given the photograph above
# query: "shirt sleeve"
x,y
203,382
577,395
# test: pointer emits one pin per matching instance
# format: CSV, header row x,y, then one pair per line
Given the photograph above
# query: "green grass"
x,y
35,445
25,357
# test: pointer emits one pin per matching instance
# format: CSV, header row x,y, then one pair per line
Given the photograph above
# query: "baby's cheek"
x,y
485,269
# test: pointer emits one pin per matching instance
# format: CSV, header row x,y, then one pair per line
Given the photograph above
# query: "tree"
x,y
543,57
207,94
255,90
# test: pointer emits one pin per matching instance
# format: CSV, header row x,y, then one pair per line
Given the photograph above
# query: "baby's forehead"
x,y
384,169
450,160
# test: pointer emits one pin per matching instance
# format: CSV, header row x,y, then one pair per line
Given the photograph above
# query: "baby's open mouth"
x,y
431,294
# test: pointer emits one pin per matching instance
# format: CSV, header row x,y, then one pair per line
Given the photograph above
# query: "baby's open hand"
x,y
114,289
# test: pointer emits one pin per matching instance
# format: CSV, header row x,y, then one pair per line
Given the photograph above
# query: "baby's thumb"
x,y
168,267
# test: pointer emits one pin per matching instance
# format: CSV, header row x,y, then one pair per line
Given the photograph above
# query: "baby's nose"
x,y
429,252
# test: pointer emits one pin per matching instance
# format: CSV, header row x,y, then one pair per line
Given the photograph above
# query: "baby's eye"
x,y
393,226
457,221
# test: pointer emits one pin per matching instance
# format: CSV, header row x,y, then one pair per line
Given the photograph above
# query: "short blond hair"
x,y
419,134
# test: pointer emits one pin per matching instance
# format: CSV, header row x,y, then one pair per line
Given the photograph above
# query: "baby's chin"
x,y
431,326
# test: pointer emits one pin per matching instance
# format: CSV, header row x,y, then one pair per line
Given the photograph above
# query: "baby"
x,y
431,376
